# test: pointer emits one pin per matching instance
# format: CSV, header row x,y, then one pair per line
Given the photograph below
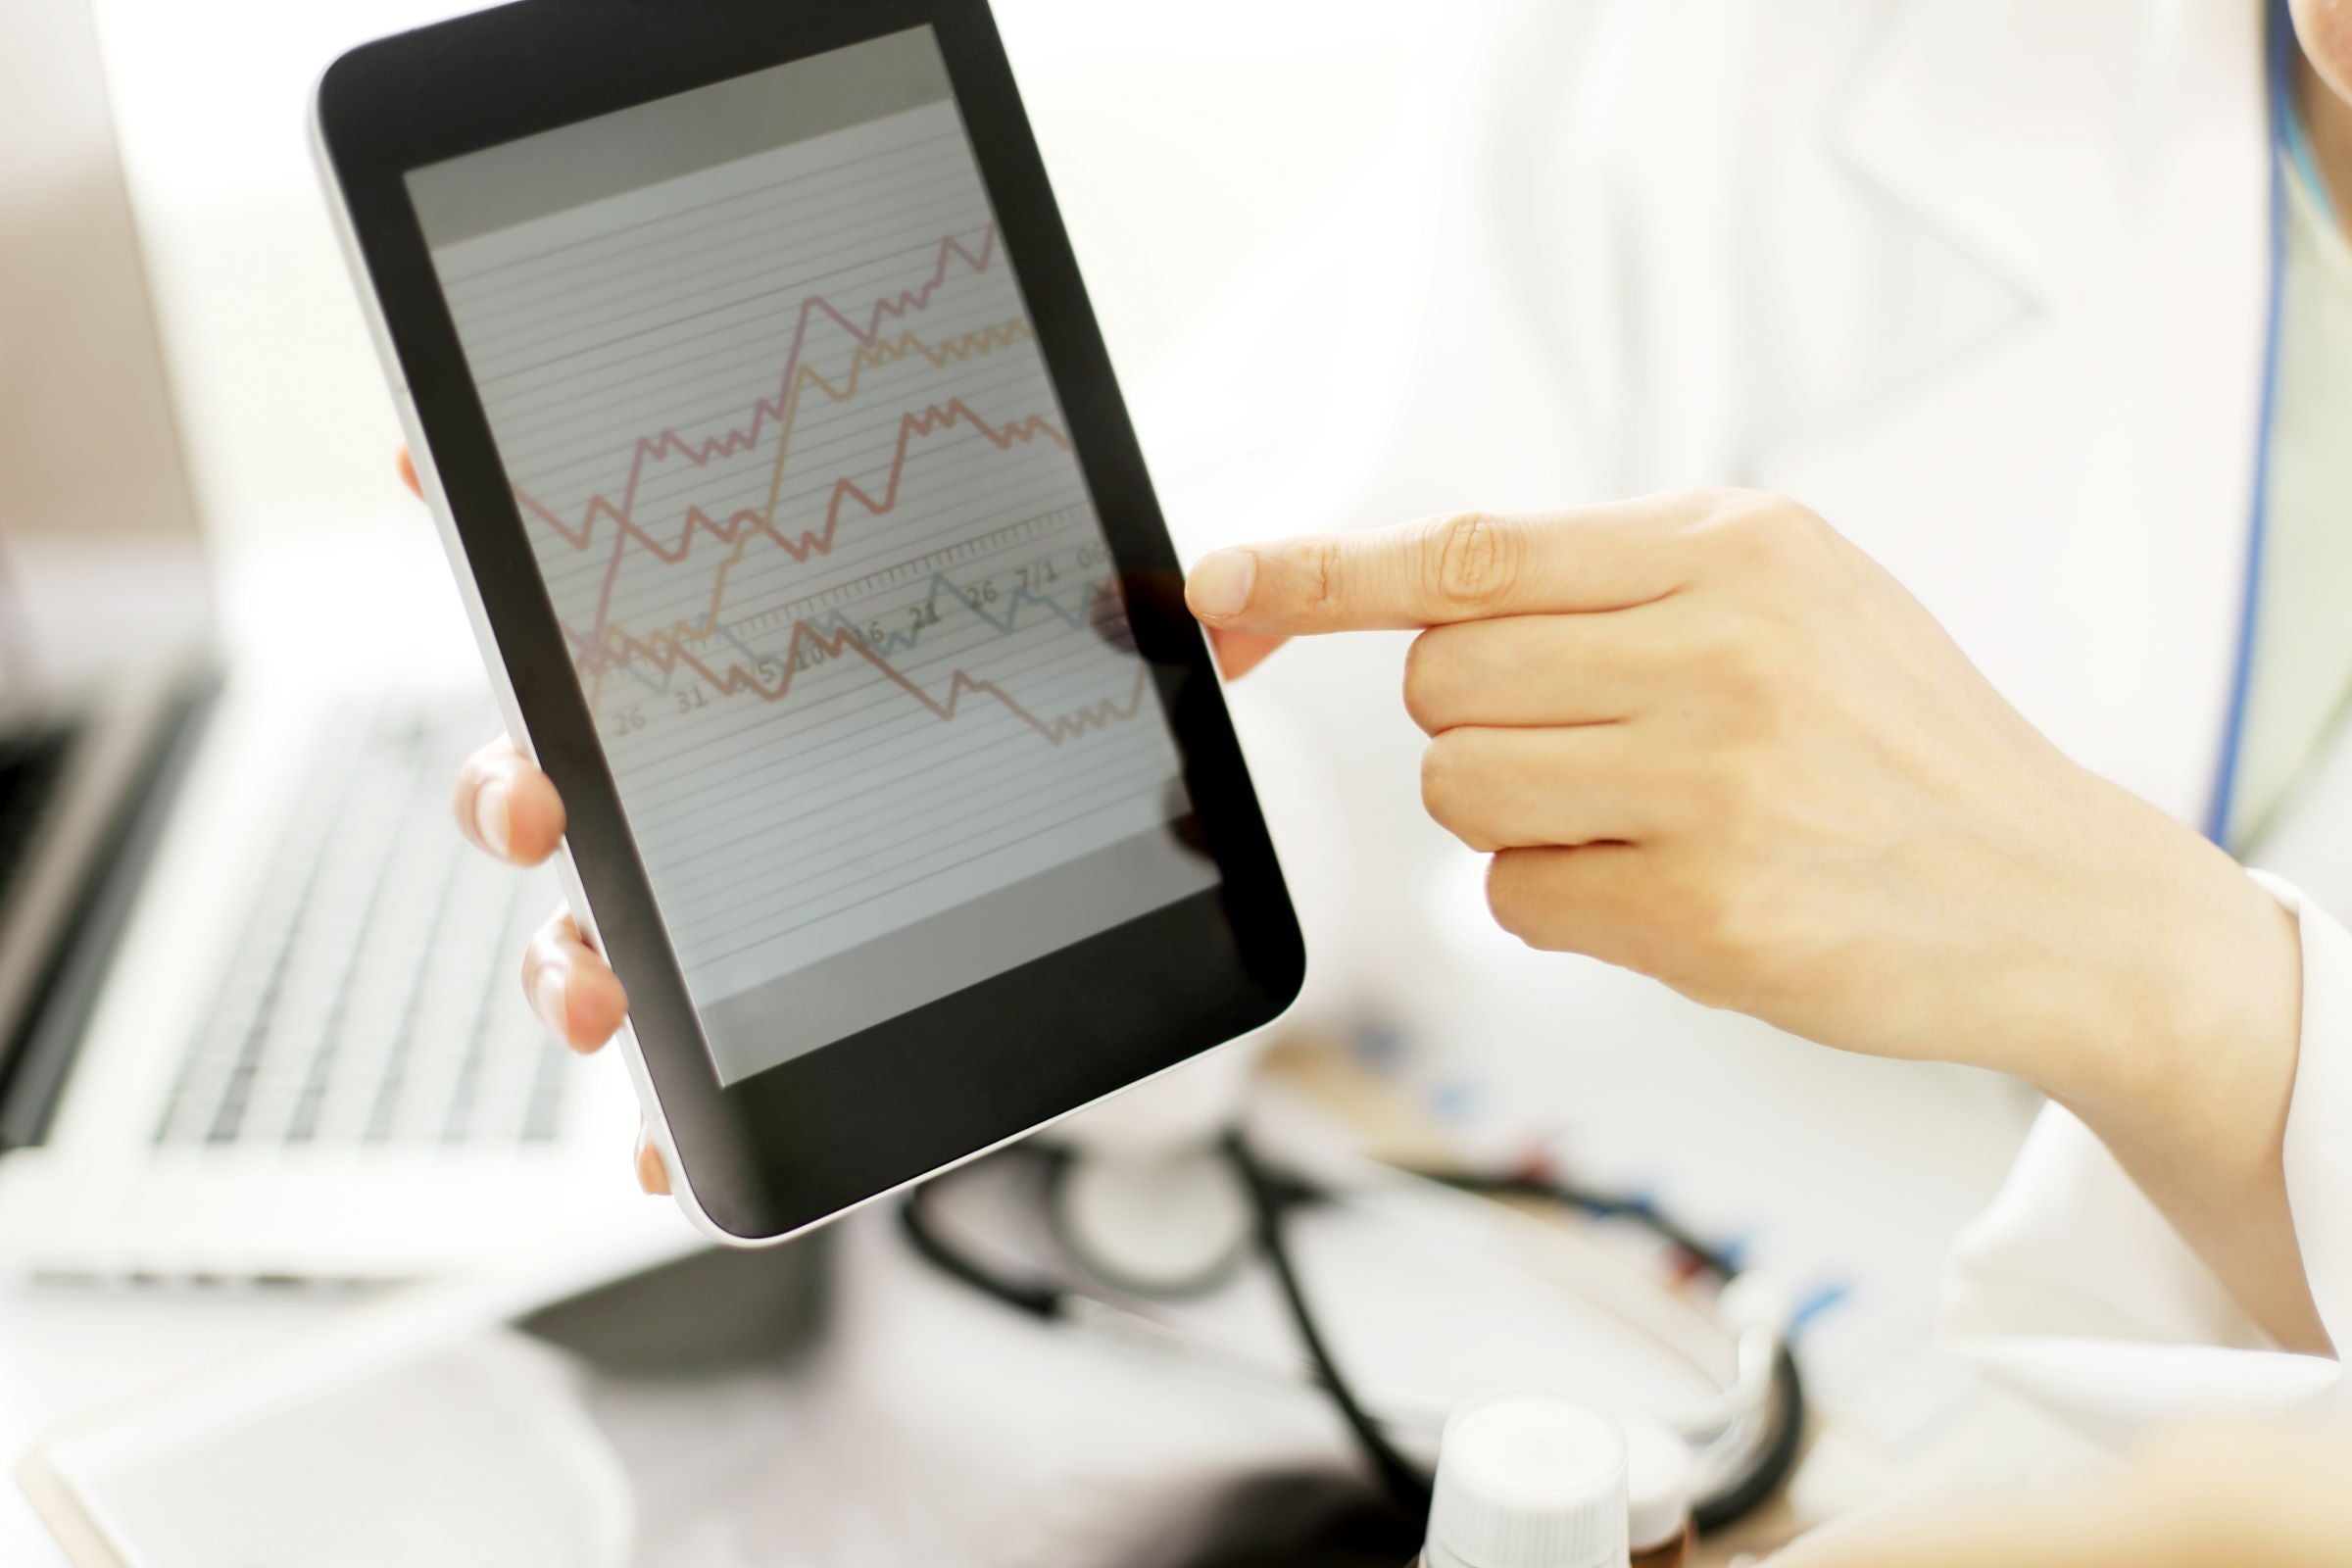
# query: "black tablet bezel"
x,y
802,1141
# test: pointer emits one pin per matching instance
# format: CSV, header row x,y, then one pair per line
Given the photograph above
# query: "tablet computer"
x,y
752,381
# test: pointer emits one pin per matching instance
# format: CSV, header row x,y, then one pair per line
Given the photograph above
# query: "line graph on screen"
x,y
797,481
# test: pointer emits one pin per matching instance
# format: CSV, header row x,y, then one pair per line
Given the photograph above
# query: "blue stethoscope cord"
x,y
2288,136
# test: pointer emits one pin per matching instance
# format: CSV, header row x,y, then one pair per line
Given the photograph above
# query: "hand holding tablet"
x,y
755,392
507,807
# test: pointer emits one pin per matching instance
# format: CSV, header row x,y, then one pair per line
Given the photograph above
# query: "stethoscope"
x,y
2290,146
1229,1203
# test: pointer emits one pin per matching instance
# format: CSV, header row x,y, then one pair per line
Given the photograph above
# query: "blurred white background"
x,y
1191,147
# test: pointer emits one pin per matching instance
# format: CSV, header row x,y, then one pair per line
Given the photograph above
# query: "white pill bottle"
x,y
1528,1482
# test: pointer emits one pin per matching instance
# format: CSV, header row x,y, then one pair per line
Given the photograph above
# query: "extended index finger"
x,y
1466,565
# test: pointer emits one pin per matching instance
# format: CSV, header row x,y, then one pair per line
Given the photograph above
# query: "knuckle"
x,y
1509,895
1442,785
1326,574
1428,665
1525,894
1476,558
1768,532
1454,790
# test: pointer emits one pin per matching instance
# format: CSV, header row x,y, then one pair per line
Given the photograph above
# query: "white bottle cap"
x,y
1658,1480
1527,1482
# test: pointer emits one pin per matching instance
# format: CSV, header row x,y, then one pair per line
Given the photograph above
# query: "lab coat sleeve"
x,y
2073,1288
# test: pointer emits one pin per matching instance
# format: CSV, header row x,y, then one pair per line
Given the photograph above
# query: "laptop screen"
x,y
99,550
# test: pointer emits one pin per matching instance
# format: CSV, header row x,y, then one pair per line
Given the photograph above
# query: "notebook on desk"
x,y
427,1426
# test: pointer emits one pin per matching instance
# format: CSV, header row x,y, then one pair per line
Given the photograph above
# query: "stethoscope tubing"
x,y
1746,1439
2284,143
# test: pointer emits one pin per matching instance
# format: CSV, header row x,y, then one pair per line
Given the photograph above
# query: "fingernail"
x,y
1219,586
547,996
490,814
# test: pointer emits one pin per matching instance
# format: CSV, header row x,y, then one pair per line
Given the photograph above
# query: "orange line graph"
x,y
734,679
618,646
671,443
749,526
613,525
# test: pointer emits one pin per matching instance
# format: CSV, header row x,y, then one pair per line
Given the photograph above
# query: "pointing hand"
x,y
1707,739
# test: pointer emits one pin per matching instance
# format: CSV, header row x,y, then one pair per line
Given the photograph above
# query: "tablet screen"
x,y
759,371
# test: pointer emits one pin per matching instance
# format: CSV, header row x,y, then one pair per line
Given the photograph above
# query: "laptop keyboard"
x,y
372,996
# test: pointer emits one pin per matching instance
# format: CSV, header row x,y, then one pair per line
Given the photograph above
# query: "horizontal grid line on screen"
x,y
532,335
451,280
1015,663
696,848
799,487
763,575
511,372
721,900
958,316
943,176
778,935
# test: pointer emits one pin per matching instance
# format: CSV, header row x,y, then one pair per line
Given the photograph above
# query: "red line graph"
x,y
767,410
603,647
907,345
600,651
735,679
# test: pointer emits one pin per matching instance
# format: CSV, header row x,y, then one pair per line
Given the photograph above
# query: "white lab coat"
x,y
1984,282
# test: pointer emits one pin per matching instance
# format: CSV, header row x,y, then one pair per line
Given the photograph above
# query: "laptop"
x,y
259,1007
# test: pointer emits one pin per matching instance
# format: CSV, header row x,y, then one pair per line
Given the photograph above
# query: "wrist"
x,y
2178,1048
2190,1092
2202,1020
